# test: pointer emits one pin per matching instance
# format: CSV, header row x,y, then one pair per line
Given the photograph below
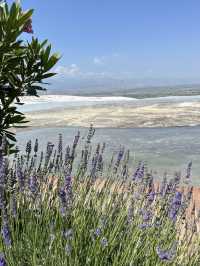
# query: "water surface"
x,y
164,149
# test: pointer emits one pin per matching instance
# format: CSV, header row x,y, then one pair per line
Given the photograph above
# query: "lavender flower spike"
x,y
28,147
137,171
104,242
166,255
2,260
189,168
97,232
33,183
60,144
2,171
62,195
144,226
175,206
20,176
36,146
68,249
68,234
151,197
5,231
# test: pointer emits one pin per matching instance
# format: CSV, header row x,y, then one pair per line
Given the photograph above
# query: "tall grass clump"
x,y
55,213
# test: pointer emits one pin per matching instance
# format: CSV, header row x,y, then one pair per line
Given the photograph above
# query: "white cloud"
x,y
70,71
99,60
105,59
73,71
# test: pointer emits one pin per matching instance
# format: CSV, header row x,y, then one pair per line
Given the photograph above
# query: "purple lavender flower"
x,y
119,158
4,145
68,234
151,197
49,149
175,206
189,168
104,242
97,232
90,133
103,148
100,163
60,144
139,173
136,172
2,197
62,210
67,154
66,195
68,249
171,187
144,226
20,176
5,231
120,155
28,147
75,143
36,146
177,198
94,166
146,215
33,183
76,139
62,195
166,255
68,187
124,171
1,157
2,171
2,260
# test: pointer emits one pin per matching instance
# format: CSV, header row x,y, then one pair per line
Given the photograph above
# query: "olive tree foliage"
x,y
23,67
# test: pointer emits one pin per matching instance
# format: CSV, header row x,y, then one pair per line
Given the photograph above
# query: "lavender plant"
x,y
58,213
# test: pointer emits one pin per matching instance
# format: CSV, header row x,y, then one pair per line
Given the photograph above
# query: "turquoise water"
x,y
164,149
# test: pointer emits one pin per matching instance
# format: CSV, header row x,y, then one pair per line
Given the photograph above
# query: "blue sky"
x,y
123,39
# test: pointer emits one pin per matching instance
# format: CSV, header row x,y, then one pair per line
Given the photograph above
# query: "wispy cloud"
x,y
99,60
71,71
74,71
104,59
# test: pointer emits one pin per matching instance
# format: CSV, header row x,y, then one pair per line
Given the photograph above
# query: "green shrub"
x,y
23,65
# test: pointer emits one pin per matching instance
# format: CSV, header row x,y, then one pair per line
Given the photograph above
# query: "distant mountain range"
x,y
113,87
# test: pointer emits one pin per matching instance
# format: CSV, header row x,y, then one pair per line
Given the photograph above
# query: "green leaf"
x,y
20,126
11,137
16,119
46,54
23,19
48,75
51,62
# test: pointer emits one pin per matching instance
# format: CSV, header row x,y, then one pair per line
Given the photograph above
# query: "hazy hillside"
x,y
123,88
